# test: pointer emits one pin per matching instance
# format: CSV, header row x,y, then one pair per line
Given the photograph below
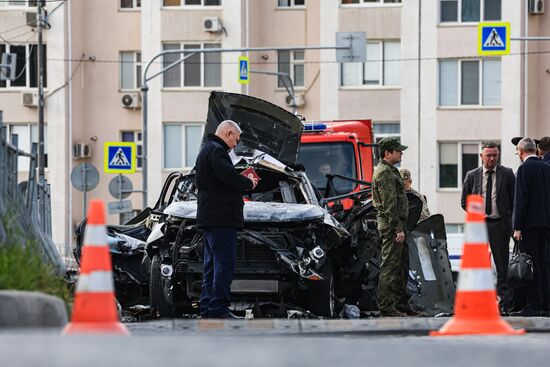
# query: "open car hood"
x,y
264,126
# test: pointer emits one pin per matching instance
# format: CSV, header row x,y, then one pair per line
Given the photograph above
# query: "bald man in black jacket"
x,y
219,215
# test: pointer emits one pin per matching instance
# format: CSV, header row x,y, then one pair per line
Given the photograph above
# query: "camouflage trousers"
x,y
394,271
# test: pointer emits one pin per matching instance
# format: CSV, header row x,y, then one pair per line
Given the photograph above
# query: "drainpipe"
x,y
419,92
524,129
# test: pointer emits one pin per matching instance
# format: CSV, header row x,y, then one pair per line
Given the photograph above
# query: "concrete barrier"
x,y
20,309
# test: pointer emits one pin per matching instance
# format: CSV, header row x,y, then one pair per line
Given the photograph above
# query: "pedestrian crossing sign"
x,y
119,157
493,38
244,70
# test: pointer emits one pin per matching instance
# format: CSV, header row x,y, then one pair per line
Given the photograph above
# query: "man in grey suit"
x,y
496,184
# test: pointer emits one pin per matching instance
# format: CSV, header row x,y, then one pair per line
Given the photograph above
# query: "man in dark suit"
x,y
496,184
219,215
531,221
544,148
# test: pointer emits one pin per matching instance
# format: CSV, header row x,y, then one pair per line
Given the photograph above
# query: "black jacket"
x,y
220,186
546,157
505,191
532,202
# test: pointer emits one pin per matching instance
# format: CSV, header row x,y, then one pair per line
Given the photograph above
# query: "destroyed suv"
x,y
286,251
298,251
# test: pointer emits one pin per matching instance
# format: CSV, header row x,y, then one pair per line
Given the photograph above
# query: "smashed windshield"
x,y
334,158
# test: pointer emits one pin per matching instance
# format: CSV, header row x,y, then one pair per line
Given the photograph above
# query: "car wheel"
x,y
159,296
320,294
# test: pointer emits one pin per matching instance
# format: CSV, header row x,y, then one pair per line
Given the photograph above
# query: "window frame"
x,y
459,167
365,3
382,61
137,66
29,125
182,85
138,140
378,136
136,6
291,6
481,86
183,6
292,63
7,49
183,140
8,6
459,14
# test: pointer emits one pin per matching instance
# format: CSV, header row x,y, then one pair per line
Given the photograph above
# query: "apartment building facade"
x,y
422,82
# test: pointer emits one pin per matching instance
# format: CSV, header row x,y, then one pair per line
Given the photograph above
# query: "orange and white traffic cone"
x,y
476,308
94,308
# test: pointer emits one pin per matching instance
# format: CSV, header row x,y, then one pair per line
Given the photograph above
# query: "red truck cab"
x,y
341,147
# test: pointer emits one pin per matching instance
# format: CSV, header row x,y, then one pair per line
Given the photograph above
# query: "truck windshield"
x,y
335,158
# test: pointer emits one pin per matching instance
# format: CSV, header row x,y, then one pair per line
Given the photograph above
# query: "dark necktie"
x,y
489,193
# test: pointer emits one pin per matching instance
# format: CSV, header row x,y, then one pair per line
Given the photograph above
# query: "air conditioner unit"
x,y
299,100
536,7
132,100
212,24
29,99
81,150
30,17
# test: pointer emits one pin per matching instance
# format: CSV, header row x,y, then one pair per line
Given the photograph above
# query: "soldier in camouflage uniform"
x,y
390,201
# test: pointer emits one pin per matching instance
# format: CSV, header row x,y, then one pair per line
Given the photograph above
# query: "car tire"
x,y
161,304
320,294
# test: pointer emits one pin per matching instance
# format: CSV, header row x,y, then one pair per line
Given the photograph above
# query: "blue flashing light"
x,y
315,127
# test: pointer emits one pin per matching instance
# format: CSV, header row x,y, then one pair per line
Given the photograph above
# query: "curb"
x,y
410,325
22,309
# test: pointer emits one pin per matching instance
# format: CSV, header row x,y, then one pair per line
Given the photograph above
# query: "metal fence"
x,y
27,203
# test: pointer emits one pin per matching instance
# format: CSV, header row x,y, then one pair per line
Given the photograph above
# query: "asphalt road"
x,y
31,348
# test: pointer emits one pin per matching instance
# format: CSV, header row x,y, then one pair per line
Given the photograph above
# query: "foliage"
x,y
22,266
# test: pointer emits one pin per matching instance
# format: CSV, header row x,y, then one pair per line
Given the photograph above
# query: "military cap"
x,y
391,144
544,143
405,173
516,140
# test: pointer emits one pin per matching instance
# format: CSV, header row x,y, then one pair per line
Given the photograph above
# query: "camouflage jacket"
x,y
388,197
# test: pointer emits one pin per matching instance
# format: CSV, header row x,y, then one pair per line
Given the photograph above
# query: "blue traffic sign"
x,y
494,38
244,70
120,157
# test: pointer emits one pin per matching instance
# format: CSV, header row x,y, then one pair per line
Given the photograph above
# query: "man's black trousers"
x,y
499,240
536,242
220,246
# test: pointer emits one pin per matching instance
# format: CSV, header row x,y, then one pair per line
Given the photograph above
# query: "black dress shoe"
x,y
503,311
526,312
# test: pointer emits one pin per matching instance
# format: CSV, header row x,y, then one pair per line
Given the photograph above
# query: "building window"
x,y
192,2
26,73
382,68
469,82
386,130
455,160
26,134
464,11
134,137
130,70
181,144
18,3
130,4
292,63
346,2
198,70
290,3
